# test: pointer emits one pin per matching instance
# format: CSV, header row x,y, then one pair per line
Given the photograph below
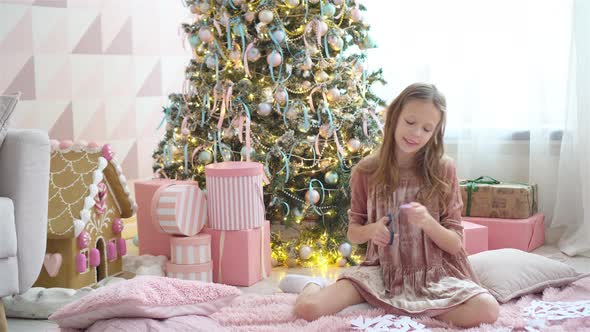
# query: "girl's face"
x,y
416,125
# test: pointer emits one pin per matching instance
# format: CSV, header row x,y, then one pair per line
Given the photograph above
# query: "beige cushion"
x,y
7,105
510,273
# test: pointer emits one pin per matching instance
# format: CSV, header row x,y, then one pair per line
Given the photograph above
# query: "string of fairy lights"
x,y
288,80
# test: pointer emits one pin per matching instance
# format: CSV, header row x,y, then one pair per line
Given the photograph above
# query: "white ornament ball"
x,y
342,262
243,152
265,16
274,59
312,196
331,177
279,35
281,97
321,76
322,28
305,252
345,249
273,262
306,84
337,2
249,16
291,262
335,42
253,54
353,145
264,109
329,10
292,3
314,1
325,131
205,157
205,34
292,113
356,15
333,94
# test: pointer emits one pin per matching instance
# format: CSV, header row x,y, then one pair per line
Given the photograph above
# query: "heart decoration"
x,y
100,201
52,264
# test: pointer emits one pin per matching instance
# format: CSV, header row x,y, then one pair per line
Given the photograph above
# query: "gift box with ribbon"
x,y
240,258
234,195
490,198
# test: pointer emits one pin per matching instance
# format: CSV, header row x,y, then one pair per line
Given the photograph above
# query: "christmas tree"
x,y
283,83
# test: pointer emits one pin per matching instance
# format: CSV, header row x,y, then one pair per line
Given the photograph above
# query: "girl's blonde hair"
x,y
383,166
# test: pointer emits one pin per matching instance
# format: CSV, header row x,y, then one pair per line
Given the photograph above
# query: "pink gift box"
x,y
234,195
475,237
179,208
190,250
240,258
151,241
524,234
201,272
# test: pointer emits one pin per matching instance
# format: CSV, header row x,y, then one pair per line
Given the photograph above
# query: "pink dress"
x,y
413,276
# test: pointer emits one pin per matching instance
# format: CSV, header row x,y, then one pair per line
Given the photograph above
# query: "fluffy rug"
x,y
274,313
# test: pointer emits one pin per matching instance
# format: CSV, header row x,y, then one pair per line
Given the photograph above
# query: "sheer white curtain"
x,y
572,209
503,66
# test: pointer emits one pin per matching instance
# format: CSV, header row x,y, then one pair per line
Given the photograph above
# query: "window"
x,y
502,64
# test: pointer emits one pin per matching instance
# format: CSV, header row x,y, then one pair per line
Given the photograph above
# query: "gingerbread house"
x,y
88,197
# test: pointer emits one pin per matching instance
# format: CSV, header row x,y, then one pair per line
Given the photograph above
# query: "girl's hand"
x,y
380,234
417,215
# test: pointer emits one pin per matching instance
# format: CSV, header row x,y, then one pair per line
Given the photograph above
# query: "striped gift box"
x,y
190,250
201,272
234,195
179,208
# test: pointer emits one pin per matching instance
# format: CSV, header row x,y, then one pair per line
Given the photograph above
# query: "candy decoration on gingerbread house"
x,y
88,196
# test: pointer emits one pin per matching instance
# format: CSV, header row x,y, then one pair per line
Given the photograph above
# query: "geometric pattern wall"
x,y
94,70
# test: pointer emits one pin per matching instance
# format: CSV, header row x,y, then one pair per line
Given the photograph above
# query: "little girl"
x,y
405,202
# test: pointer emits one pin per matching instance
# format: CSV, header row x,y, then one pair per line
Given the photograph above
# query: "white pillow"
x,y
7,105
510,273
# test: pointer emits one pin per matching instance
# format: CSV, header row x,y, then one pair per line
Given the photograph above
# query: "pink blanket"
x,y
274,313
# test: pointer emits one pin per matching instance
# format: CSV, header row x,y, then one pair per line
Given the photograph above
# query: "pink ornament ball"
x,y
83,240
312,196
107,152
81,263
66,144
111,251
94,257
185,131
274,59
122,247
118,226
